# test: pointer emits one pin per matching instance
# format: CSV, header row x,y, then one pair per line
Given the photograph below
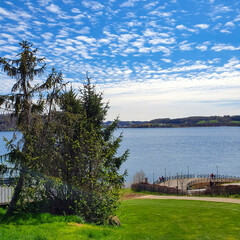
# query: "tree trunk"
x,y
16,194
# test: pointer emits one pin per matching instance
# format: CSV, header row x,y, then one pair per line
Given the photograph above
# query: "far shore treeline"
x,y
198,121
9,124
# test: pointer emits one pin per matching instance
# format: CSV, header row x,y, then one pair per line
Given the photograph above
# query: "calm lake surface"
x,y
202,150
177,149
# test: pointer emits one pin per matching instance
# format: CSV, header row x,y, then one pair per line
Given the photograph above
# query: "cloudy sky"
x,y
152,59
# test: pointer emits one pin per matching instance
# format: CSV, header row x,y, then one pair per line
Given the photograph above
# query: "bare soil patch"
x,y
76,224
131,196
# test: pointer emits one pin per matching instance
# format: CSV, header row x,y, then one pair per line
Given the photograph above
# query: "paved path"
x,y
208,199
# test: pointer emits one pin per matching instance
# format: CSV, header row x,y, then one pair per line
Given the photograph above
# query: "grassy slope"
x,y
141,219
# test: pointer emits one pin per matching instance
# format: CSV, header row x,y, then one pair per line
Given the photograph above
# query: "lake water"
x,y
201,150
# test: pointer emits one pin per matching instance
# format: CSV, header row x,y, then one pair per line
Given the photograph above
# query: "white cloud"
x,y
217,26
126,37
222,47
79,16
167,90
130,50
134,23
166,60
54,8
149,32
47,35
225,31
86,39
129,71
181,27
230,24
9,3
161,14
129,3
8,14
151,5
70,49
67,1
232,63
163,49
185,46
144,49
220,9
158,40
94,5
44,3
138,43
62,34
237,19
84,30
10,38
2,42
38,23
202,47
76,10
202,26
9,48
130,15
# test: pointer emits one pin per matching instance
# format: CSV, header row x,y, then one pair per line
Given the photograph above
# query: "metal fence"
x,y
6,190
195,177
6,194
7,182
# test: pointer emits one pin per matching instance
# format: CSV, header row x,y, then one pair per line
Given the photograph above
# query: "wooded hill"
x,y
199,121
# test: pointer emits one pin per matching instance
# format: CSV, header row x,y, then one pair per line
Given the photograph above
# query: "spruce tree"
x,y
23,69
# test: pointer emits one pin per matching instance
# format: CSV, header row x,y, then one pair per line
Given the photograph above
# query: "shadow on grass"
x,y
25,218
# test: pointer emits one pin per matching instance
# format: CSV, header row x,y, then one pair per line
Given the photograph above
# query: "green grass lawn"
x,y
141,219
210,121
235,121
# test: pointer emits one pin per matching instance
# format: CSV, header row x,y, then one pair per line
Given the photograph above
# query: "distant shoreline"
x,y
186,126
200,121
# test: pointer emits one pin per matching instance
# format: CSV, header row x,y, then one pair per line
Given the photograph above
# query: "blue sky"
x,y
152,59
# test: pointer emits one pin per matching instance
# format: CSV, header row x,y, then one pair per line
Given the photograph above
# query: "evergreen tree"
x,y
68,161
23,70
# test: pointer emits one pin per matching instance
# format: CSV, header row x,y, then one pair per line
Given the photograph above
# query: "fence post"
x,y
177,183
